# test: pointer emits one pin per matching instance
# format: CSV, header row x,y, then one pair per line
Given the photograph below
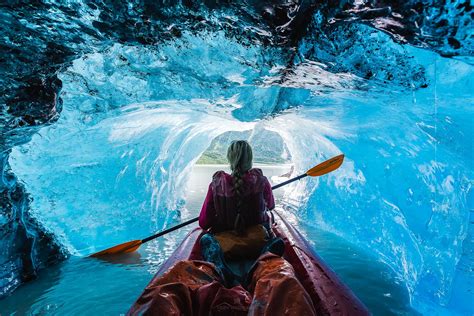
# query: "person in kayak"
x,y
239,200
235,213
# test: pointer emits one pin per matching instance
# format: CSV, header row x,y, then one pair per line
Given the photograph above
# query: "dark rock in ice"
x,y
26,246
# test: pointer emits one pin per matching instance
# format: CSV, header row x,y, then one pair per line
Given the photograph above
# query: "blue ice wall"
x,y
118,159
106,108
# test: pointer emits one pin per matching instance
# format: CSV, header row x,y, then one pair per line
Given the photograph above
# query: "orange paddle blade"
x,y
130,246
326,167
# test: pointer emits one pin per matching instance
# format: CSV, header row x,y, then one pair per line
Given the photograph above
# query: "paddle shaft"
x,y
169,230
289,181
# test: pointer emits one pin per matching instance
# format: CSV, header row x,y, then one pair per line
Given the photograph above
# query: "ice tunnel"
x,y
109,112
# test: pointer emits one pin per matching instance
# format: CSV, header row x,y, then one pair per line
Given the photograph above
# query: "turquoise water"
x,y
81,285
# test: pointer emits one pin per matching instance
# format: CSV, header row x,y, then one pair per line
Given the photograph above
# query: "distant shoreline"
x,y
255,165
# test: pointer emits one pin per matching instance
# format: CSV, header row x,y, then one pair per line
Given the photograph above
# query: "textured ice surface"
x,y
107,108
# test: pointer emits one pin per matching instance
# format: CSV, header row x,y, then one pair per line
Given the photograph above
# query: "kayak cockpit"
x,y
328,294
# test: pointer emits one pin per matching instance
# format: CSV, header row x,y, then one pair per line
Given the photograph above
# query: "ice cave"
x,y
115,114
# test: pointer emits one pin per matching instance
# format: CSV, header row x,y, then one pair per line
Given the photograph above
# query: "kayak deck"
x,y
329,295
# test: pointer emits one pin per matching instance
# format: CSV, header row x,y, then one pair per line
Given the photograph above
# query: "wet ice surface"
x,y
83,285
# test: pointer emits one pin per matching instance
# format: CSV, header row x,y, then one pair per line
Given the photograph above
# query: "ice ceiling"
x,y
106,107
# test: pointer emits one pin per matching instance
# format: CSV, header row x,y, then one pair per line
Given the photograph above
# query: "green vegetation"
x,y
268,147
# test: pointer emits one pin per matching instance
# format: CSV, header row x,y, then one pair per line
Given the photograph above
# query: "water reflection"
x,y
122,258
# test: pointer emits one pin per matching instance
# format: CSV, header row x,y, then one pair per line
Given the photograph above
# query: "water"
x,y
83,285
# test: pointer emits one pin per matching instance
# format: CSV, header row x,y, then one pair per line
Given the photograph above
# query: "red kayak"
x,y
329,295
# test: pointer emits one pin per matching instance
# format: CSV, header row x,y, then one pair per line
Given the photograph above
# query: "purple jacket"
x,y
220,206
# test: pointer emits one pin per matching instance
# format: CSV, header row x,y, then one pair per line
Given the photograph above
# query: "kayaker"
x,y
235,213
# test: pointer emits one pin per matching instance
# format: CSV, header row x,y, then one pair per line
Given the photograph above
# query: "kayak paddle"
x,y
319,170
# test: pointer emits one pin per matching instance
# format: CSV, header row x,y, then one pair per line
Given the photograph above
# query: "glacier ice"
x,y
105,114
